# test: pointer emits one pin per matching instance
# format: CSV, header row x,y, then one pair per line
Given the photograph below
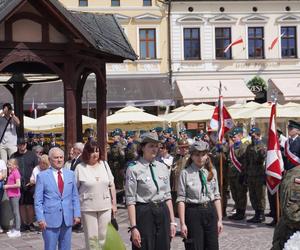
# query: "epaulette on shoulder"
x,y
131,163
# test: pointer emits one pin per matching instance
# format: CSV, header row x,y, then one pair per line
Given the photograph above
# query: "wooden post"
x,y
277,207
221,178
101,110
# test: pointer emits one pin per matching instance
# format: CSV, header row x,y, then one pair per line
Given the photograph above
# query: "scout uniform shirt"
x,y
144,186
191,189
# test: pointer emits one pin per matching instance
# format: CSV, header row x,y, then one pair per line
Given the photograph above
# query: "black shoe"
x,y
256,219
31,228
237,216
272,223
24,228
269,215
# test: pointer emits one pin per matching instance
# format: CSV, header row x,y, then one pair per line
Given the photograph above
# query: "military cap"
x,y
293,124
237,130
158,129
117,131
182,130
199,146
168,130
21,140
149,137
130,134
254,130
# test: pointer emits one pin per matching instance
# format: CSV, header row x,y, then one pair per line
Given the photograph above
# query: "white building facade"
x,y
266,34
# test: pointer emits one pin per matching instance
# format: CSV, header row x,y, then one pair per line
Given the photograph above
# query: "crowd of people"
x,y
157,174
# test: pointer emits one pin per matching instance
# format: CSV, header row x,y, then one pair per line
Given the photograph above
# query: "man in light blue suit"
x,y
56,203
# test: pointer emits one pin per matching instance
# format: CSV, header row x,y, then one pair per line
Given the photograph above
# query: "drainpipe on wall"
x,y
170,50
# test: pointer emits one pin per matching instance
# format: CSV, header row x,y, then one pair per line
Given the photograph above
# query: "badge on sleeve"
x,y
297,180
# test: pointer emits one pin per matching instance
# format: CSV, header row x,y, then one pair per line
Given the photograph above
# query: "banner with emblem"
x,y
274,162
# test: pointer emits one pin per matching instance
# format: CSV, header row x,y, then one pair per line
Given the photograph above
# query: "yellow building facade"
x,y
145,23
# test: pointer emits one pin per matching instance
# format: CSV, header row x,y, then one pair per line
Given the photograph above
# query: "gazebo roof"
x,y
101,31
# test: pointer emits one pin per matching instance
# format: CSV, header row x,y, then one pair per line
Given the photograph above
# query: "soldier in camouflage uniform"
x,y
131,148
289,222
116,159
180,161
214,153
237,178
255,172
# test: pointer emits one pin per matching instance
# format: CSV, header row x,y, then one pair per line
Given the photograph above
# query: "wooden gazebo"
x,y
43,37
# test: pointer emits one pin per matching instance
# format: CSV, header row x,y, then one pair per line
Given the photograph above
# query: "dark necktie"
x,y
151,165
72,164
203,182
60,182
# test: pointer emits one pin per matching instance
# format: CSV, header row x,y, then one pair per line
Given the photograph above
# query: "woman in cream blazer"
x,y
97,194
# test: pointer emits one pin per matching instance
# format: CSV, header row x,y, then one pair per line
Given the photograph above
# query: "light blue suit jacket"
x,y
50,205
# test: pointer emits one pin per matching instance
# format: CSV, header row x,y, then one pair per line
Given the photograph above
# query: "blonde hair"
x,y
14,162
44,158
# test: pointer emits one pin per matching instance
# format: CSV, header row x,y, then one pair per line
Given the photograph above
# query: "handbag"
x,y
113,219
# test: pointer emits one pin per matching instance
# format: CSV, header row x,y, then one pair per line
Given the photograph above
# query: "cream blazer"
x,y
94,184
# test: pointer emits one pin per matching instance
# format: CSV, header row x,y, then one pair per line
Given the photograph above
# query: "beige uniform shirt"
x,y
190,187
93,184
140,186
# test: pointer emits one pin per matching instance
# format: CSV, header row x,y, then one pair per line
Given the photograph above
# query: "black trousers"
x,y
153,223
202,225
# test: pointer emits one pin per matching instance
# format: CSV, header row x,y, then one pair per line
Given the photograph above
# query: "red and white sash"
x,y
294,159
234,160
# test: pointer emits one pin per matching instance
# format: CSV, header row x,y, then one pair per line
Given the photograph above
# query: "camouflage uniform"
x,y
289,222
237,183
215,157
116,159
255,172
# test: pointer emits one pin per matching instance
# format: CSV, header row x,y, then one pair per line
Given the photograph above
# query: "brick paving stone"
x,y
237,235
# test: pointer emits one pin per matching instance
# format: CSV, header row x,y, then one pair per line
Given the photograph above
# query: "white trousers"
x,y
95,227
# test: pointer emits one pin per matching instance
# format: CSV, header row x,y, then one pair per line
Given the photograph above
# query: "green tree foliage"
x,y
257,84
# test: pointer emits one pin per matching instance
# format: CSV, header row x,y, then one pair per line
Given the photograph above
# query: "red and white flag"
x,y
275,41
238,41
274,163
221,120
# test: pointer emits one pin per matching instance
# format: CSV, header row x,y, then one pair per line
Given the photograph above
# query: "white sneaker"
x,y
14,234
1,230
10,231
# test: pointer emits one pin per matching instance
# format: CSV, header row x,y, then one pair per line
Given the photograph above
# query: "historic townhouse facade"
x,y
265,42
143,82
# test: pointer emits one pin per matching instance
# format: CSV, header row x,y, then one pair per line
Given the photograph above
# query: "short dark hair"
x,y
89,148
8,105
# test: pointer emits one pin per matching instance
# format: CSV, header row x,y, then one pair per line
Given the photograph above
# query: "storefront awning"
x,y
151,91
192,91
288,88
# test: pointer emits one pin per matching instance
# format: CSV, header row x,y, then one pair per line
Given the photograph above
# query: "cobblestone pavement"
x,y
236,235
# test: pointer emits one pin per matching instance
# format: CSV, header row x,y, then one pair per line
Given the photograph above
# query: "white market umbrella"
x,y
54,120
202,112
132,118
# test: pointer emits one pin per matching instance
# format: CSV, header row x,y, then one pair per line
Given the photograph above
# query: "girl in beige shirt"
x,y
97,194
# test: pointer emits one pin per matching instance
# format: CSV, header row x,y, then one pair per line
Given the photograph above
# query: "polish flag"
x,y
221,120
275,41
238,41
274,163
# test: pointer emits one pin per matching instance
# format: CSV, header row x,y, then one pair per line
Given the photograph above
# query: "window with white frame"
x,y
222,39
256,42
191,43
147,2
289,42
83,3
147,42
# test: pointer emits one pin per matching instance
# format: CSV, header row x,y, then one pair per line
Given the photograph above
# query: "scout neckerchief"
x,y
203,182
234,160
294,159
151,165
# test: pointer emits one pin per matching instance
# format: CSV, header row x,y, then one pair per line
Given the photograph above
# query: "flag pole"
x,y
221,149
277,194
